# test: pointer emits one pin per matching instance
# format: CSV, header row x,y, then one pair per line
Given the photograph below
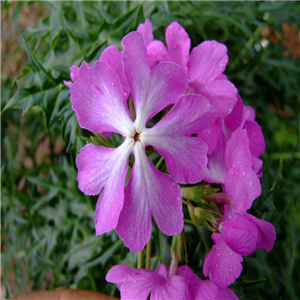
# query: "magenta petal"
x,y
256,165
100,167
234,119
242,186
178,43
267,233
151,93
138,287
148,191
185,156
68,83
222,265
74,73
211,135
146,31
157,52
162,270
97,99
237,150
207,61
174,288
119,273
227,294
221,94
216,170
112,56
256,140
240,234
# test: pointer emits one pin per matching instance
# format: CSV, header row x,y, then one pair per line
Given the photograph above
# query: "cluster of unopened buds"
x,y
204,133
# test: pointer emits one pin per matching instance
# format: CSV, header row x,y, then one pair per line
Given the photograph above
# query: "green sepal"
x,y
98,140
197,191
204,216
181,246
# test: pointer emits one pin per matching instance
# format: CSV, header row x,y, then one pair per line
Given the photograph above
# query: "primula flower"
x,y
97,97
205,65
139,283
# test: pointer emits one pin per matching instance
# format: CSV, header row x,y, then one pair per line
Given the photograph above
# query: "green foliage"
x,y
48,224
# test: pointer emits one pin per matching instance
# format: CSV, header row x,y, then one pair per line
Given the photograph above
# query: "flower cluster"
x,y
207,133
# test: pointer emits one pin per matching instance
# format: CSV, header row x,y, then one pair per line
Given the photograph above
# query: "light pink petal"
x,y
138,287
240,234
119,273
112,56
221,94
256,139
222,265
207,61
185,156
74,73
267,233
157,52
151,92
234,119
179,44
97,99
100,167
242,186
148,191
174,288
211,135
146,31
237,150
216,169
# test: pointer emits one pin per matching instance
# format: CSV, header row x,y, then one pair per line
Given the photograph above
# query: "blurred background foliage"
x,y
47,224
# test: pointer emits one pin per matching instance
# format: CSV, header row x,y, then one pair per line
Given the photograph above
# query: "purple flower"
x,y
98,99
139,283
205,65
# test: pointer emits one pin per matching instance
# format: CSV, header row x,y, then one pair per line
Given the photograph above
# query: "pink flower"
x,y
97,97
205,65
241,235
139,283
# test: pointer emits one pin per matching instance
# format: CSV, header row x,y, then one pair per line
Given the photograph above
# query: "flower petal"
x,y
151,93
237,150
240,234
174,288
148,191
185,155
256,139
112,56
267,233
221,94
179,44
234,119
97,99
119,273
216,169
138,287
146,31
207,61
100,167
157,52
242,186
222,265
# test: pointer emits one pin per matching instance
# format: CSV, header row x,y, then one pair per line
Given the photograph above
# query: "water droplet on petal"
x,y
244,173
250,183
230,270
173,183
217,265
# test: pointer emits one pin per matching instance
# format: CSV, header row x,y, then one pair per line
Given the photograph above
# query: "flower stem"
x,y
148,255
174,263
140,260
